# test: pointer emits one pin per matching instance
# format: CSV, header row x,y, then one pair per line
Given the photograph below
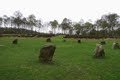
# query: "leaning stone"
x,y
48,40
15,41
46,53
99,51
116,45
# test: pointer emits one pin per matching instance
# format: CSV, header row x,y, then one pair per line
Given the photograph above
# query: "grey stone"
x,y
79,41
64,40
48,40
99,51
15,41
102,42
116,45
46,53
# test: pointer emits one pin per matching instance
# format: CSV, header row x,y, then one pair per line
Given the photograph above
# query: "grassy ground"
x,y
72,61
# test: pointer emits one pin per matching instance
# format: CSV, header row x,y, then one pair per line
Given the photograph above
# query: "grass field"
x,y
71,61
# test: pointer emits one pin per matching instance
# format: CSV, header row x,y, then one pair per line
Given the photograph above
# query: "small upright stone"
x,y
15,41
64,40
48,40
99,51
65,36
116,45
79,41
46,53
102,42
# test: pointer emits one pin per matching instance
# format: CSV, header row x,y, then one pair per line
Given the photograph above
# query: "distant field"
x,y
72,61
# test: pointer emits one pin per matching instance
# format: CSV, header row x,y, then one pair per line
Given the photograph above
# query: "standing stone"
x,y
46,53
64,40
102,42
15,41
48,40
79,41
116,45
99,51
65,36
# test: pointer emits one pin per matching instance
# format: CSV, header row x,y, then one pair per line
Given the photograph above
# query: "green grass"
x,y
71,61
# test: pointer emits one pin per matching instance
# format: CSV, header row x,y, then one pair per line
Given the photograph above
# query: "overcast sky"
x,y
58,9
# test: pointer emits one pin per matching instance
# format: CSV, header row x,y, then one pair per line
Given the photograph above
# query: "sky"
x,y
48,10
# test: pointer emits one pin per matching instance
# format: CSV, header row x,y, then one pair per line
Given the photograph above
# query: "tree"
x,y
1,20
71,31
66,25
12,21
54,25
112,20
17,19
5,17
31,21
39,24
103,25
24,23
87,27
78,28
